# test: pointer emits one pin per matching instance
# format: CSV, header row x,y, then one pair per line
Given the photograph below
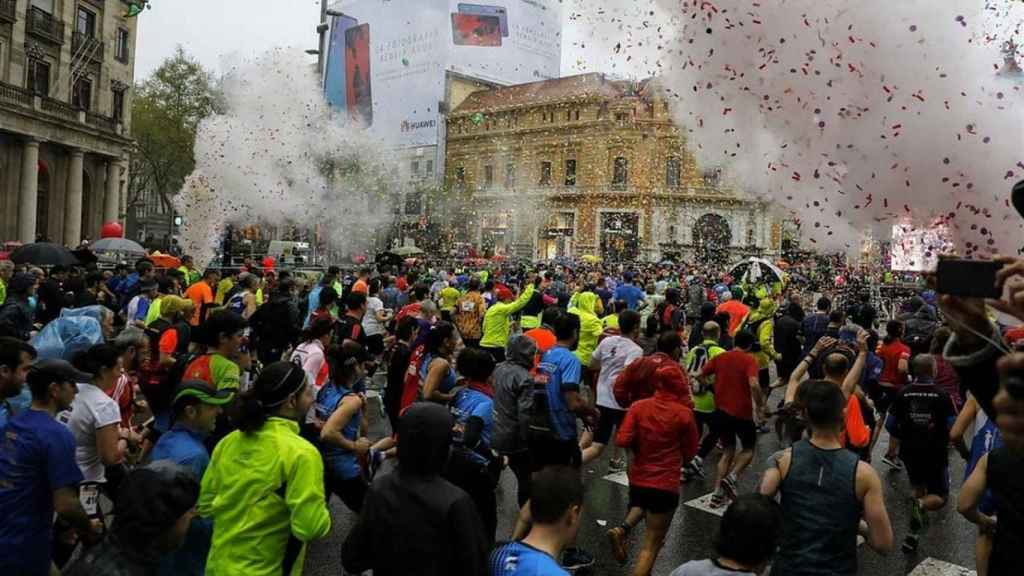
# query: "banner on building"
x,y
386,59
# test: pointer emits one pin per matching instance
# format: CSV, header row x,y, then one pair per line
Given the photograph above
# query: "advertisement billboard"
x,y
387,59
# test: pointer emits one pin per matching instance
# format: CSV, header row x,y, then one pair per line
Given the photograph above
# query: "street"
x,y
693,532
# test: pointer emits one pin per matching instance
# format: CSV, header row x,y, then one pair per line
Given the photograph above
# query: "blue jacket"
x,y
185,447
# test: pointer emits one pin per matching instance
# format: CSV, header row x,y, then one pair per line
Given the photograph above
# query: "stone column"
x,y
73,200
27,195
112,200
123,194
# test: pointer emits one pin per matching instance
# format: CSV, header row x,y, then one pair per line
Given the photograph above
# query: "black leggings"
x,y
709,439
520,465
352,491
478,482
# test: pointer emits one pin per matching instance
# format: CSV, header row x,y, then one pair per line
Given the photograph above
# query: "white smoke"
x,y
266,160
854,115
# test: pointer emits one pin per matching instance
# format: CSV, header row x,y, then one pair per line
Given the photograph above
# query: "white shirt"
x,y
311,355
91,410
614,353
371,325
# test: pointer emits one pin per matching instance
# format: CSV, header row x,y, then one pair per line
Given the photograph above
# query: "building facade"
x,y
585,165
66,74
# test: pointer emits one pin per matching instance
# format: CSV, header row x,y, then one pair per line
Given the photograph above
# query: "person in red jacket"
x,y
636,381
662,433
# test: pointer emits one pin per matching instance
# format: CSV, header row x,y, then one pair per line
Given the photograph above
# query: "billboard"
x,y
387,59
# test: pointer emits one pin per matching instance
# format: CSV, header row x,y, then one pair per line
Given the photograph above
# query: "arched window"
x,y
672,173
620,173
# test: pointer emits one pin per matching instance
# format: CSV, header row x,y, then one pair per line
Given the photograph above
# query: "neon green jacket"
x,y
590,325
265,493
765,332
496,324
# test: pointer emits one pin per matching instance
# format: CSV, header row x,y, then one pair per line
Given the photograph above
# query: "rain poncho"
x,y
265,493
761,321
590,325
75,330
496,323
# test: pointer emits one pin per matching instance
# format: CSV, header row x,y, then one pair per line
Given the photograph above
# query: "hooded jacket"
x,y
264,491
496,320
512,396
590,325
636,381
413,521
762,320
661,431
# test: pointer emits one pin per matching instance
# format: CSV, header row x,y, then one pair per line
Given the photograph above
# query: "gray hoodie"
x,y
512,397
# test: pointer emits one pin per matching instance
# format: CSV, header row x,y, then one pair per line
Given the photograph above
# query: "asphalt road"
x,y
950,539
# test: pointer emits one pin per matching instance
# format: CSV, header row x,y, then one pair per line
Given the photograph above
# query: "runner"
x,y
16,358
703,398
469,314
201,295
437,371
556,519
512,403
737,393
264,488
896,356
661,432
825,491
496,326
748,537
985,438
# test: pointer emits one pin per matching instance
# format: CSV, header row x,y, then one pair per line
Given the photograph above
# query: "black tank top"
x,y
821,513
1006,480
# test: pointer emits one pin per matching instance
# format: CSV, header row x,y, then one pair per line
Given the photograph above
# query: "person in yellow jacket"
x,y
264,487
761,323
496,321
590,325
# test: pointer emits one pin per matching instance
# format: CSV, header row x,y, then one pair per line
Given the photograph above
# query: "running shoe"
x,y
718,500
894,462
575,559
616,465
764,428
910,544
617,538
375,459
698,465
729,487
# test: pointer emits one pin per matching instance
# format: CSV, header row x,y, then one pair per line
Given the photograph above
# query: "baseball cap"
x,y
57,370
203,391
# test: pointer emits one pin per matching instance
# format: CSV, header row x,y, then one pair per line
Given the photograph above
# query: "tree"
x,y
166,112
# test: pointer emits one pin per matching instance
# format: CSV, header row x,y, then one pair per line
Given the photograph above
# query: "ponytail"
x,y
275,385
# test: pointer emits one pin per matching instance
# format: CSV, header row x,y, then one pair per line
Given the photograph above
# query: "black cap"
x,y
56,370
204,392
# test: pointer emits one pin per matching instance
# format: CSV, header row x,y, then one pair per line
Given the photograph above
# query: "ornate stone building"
x,y
66,71
588,165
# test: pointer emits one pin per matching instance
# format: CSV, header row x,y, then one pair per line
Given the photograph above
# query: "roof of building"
x,y
579,87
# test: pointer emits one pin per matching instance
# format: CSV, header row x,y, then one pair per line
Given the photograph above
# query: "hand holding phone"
x,y
968,278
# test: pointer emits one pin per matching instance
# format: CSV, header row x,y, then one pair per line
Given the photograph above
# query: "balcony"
x,y
87,44
20,98
8,10
45,26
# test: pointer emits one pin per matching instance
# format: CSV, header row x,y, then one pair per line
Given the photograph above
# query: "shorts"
x,y
728,428
786,369
932,475
764,378
498,354
546,451
610,419
653,500
352,491
883,397
375,344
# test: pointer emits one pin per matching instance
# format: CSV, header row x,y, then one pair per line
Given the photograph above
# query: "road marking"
x,y
620,478
704,503
933,567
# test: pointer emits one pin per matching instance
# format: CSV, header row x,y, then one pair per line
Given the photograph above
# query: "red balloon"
x,y
268,263
112,230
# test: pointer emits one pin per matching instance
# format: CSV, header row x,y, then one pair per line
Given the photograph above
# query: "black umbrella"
x,y
44,254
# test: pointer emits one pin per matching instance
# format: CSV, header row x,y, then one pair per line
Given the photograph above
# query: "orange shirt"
x,y
199,293
737,311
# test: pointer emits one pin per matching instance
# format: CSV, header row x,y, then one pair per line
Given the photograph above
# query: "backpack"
x,y
698,359
539,421
755,328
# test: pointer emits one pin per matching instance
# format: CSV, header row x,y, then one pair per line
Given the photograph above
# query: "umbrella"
x,y
757,270
164,260
118,245
85,256
44,254
406,251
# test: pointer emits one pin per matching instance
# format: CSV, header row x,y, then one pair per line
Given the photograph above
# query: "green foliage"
x,y
166,112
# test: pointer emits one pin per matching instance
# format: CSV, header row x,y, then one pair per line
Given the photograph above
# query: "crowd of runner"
x,y
180,422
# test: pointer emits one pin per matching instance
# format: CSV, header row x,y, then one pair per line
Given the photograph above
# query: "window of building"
x,y
396,203
577,114
602,111
551,117
415,168
488,176
568,115
621,116
38,77
672,173
460,176
545,173
81,94
510,175
570,172
620,173
85,22
44,5
118,105
712,177
750,236
121,45
413,203
430,168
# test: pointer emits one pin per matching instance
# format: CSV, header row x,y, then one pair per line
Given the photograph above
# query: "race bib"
x,y
89,495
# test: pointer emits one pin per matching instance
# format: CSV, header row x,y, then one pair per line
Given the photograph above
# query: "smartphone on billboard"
x,y
359,97
475,30
335,82
967,278
482,10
